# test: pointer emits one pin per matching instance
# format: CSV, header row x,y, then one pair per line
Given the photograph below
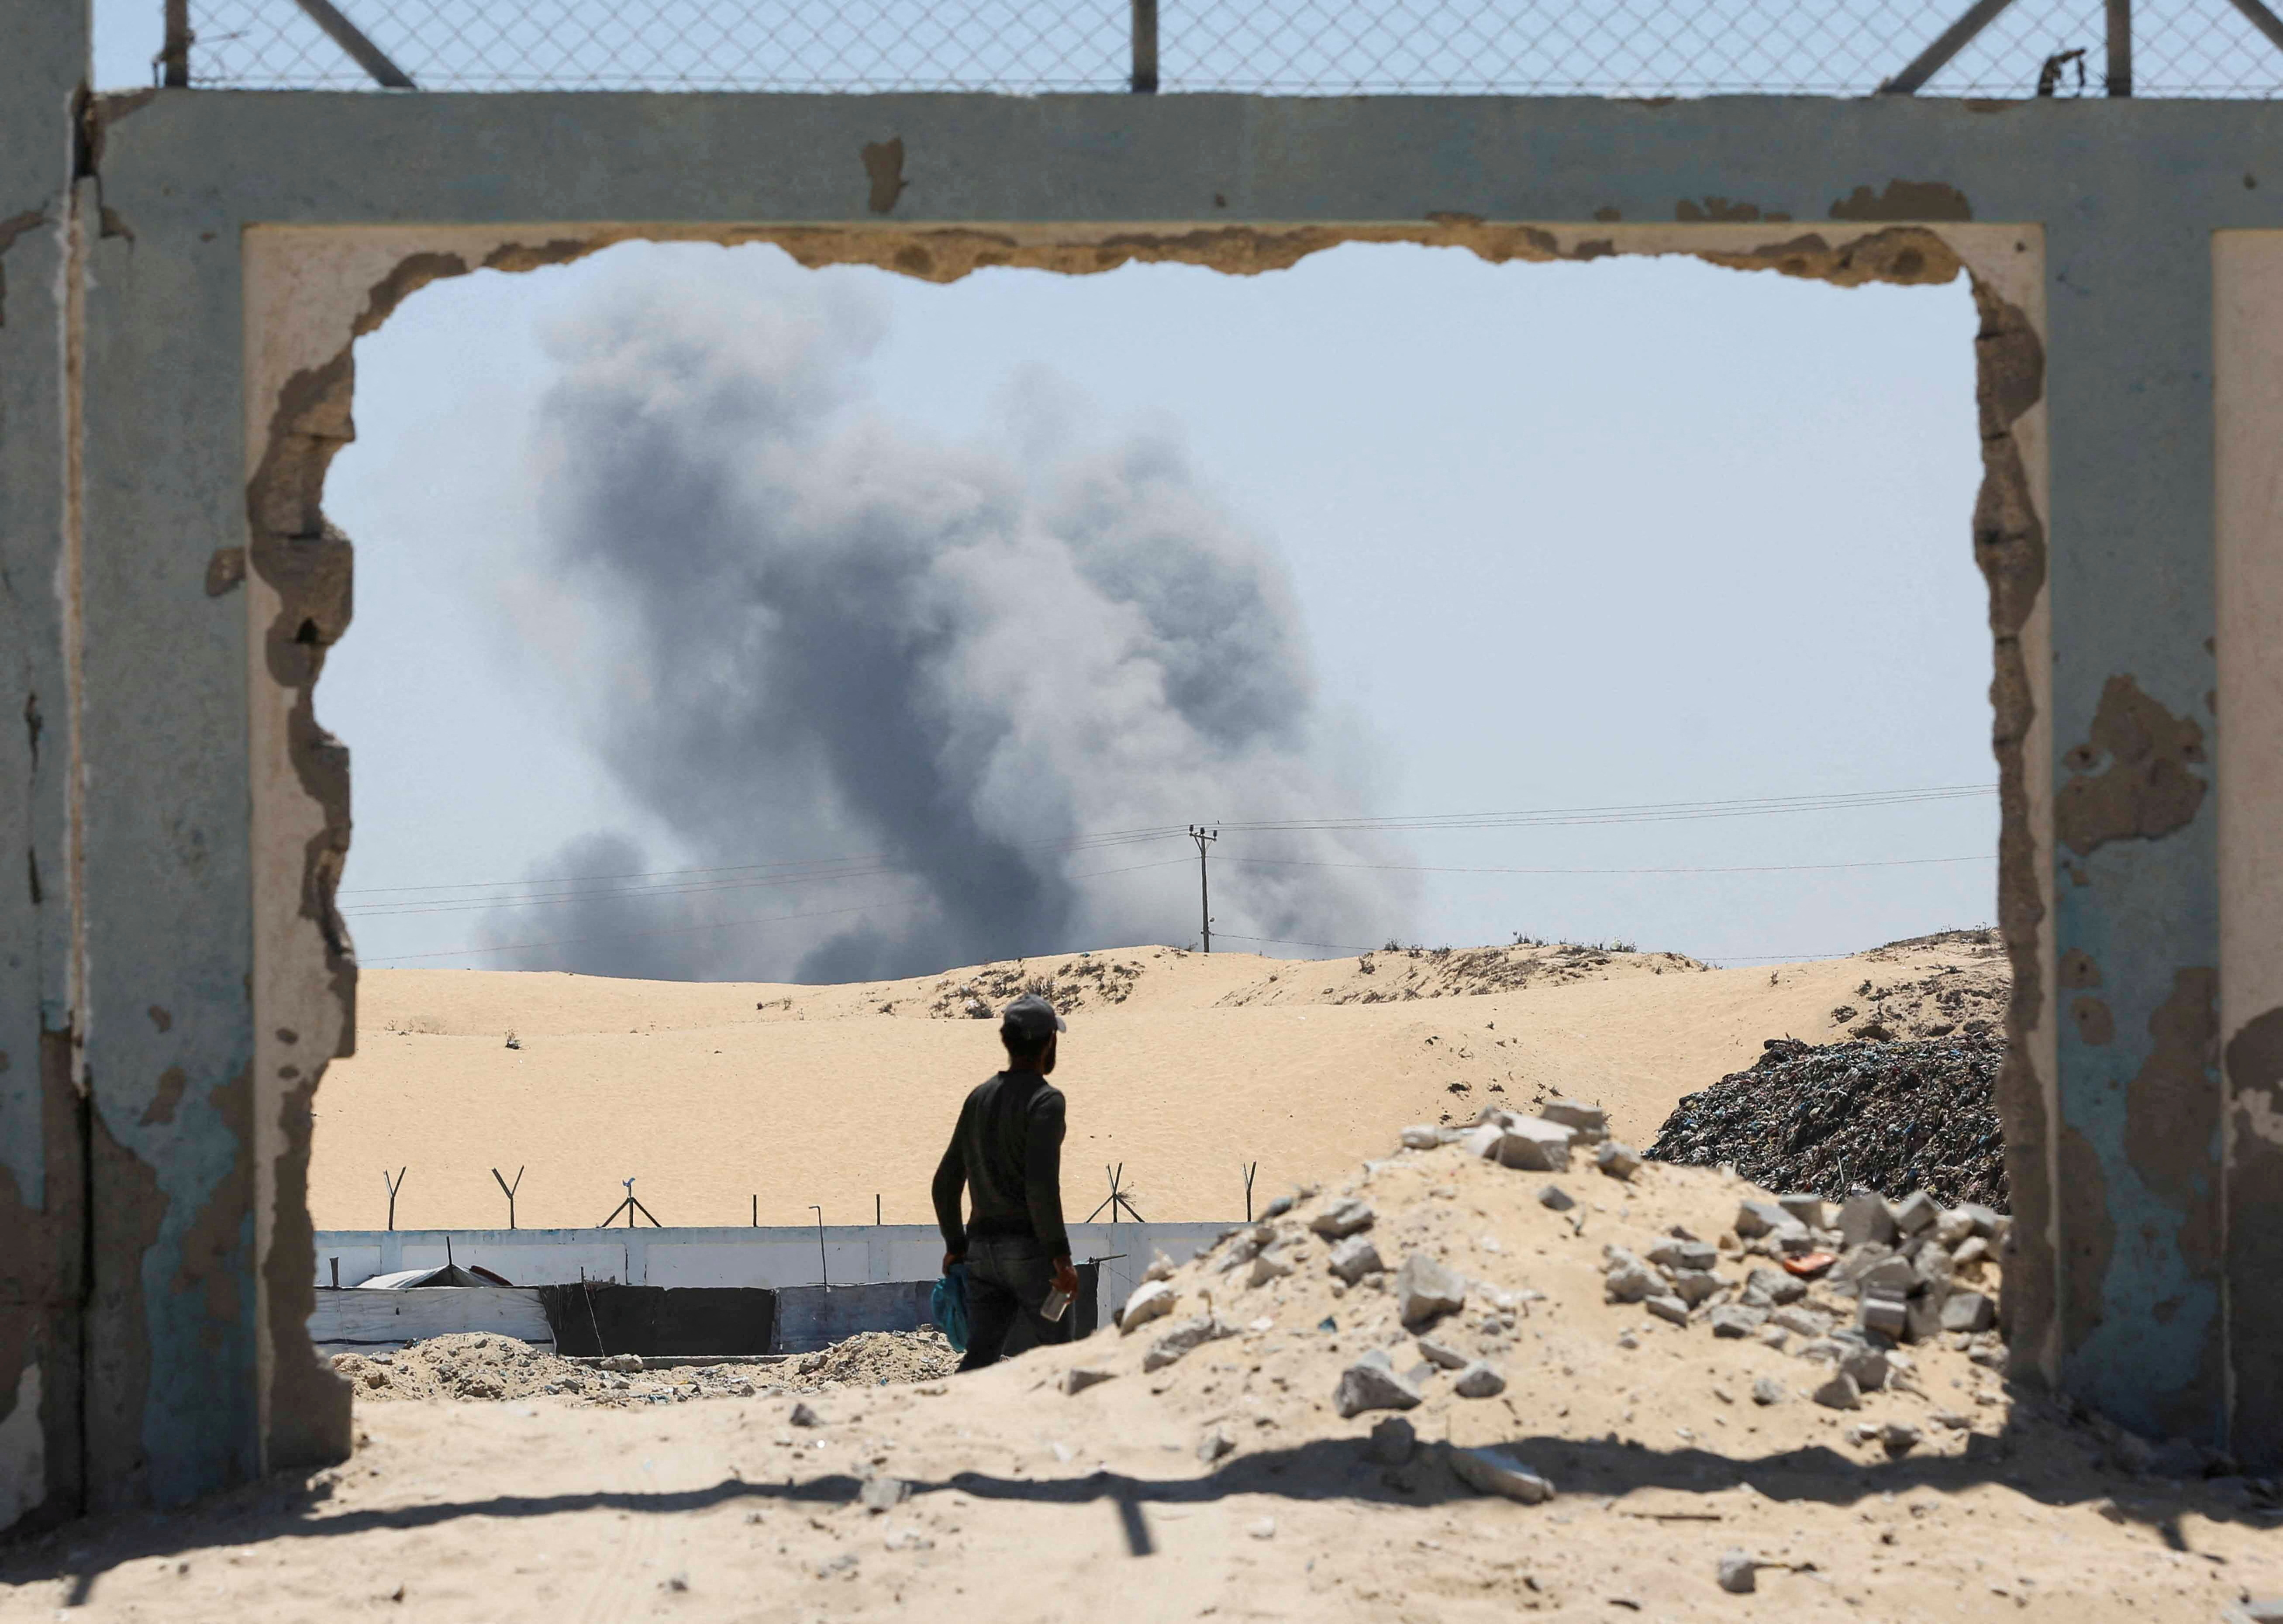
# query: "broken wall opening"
x,y
311,292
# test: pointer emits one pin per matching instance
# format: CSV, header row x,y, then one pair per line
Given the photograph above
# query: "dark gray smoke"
x,y
826,639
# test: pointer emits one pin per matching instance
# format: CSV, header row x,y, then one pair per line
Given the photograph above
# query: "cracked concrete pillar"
x,y
41,1126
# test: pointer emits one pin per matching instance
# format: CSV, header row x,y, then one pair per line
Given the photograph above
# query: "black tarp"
x,y
670,1322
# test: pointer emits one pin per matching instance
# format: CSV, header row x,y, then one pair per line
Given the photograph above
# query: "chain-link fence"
x,y
2180,48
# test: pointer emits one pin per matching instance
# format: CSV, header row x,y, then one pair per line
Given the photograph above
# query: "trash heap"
x,y
1841,1117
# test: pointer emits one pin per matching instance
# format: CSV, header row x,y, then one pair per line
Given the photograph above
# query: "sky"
x,y
1626,534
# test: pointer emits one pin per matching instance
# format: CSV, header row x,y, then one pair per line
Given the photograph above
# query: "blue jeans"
x,y
1006,1281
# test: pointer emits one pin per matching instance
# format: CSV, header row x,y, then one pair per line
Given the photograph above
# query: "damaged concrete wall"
x,y
241,242
41,1183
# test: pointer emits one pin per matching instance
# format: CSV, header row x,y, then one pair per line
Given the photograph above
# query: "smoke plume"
x,y
818,636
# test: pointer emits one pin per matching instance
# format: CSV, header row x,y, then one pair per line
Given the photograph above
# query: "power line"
x,y
1771,868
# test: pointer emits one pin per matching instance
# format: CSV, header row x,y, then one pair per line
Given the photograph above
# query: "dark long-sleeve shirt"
x,y
1007,1152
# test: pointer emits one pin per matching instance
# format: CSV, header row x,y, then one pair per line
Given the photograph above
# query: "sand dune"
x,y
1180,1066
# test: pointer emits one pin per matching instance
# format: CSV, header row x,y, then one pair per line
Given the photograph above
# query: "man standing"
x,y
1007,1152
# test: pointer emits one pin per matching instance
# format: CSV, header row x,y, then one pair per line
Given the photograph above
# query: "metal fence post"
x,y
1145,47
174,58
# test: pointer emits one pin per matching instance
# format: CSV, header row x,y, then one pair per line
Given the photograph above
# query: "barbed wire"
x,y
1622,48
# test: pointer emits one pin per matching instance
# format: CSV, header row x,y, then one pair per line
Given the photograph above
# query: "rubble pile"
x,y
482,1366
1892,1117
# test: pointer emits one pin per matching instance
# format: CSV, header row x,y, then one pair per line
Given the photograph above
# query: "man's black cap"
x,y
1030,1020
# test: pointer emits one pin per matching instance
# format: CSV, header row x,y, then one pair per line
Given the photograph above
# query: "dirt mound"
x,y
1892,1117
1404,973
481,1367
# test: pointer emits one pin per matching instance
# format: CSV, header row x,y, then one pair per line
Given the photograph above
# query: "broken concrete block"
x,y
1421,1137
1479,1380
1807,1208
1898,1437
1739,1573
1890,1315
1865,1217
1354,1258
1736,1319
1767,1390
1161,1267
879,1494
1801,1320
1555,1199
1954,1228
1986,1219
1494,1472
1626,1279
1216,1443
1678,1255
1079,1378
1839,1393
1791,1237
1923,1314
1865,1367
1619,1162
1974,1249
1392,1440
1667,1307
1776,1285
1532,1144
1967,1311
1183,1339
1438,1353
1889,1277
1589,1123
1242,1246
1273,1264
1758,1218
1154,1301
1694,1285
1482,1140
1372,1383
1342,1219
1917,1210
1425,1290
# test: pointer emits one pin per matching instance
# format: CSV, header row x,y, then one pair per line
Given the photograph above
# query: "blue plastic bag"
x,y
948,1304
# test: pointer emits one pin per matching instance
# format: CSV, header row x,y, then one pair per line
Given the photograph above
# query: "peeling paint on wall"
x,y
23,1450
1905,200
2130,778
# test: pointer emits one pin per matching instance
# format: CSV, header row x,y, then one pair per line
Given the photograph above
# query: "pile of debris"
x,y
1831,1119
482,1366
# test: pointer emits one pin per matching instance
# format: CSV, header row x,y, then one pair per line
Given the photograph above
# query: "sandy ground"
x,y
1180,1066
1003,1498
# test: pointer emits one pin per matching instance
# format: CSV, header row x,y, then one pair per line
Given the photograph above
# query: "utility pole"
x,y
1204,837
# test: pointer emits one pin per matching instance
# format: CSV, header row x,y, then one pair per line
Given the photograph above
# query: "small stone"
x,y
1421,1136
1669,1309
1079,1378
1986,1220
1342,1219
1479,1380
1627,1341
1974,1249
908,1539
1619,1162
1916,1212
1628,1279
1866,1217
1372,1383
1216,1443
1277,1208
1392,1440
1588,1122
1806,1208
1693,1286
1154,1301
1677,1254
1898,1437
1532,1144
1889,1277
1438,1353
1354,1258
1775,1286
1967,1311
1840,1393
1555,1197
1161,1267
1739,1573
1264,1529
1736,1319
1767,1390
1243,1244
803,1416
1953,1227
1888,1315
882,1494
1865,1367
1494,1472
1425,1290
1756,1218
1273,1264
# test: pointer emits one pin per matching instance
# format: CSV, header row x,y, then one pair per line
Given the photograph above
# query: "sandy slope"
x,y
1025,1505
1180,1066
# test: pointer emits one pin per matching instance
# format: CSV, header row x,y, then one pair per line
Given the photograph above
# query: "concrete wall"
x,y
175,371
770,1256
